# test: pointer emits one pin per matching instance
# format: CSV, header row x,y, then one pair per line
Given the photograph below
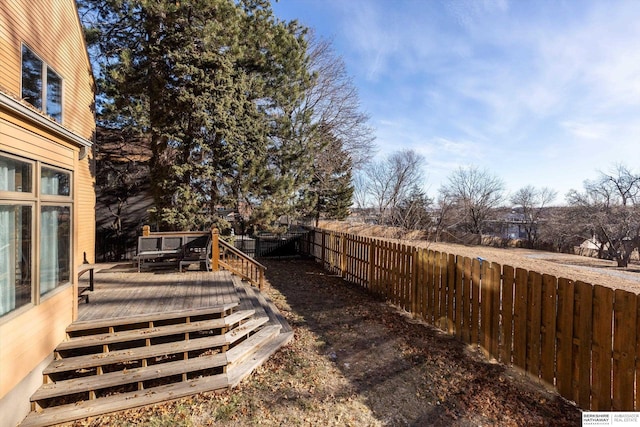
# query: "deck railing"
x,y
223,255
234,260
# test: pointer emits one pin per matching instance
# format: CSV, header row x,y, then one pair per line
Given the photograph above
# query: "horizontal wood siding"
x,y
85,202
580,338
27,339
17,139
52,30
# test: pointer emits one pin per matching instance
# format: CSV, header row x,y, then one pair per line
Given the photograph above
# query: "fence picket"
x,y
486,308
637,375
475,301
520,319
548,328
436,288
564,328
459,295
582,326
534,320
496,274
506,333
602,348
430,286
624,327
466,301
451,293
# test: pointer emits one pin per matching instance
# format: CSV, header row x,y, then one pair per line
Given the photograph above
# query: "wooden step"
x,y
128,376
120,402
243,350
148,333
139,353
87,325
261,302
245,329
243,369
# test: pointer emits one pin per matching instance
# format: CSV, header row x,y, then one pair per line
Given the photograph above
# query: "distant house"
x,y
47,199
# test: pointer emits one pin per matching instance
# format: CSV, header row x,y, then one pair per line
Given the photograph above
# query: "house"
x,y
47,199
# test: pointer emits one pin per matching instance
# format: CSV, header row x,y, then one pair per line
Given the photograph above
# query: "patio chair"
x,y
195,251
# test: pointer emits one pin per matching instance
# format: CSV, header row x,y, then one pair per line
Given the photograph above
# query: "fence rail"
x,y
582,339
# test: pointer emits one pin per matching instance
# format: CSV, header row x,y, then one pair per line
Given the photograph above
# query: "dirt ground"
x,y
357,361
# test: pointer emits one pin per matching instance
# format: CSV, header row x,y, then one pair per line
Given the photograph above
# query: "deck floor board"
x,y
123,292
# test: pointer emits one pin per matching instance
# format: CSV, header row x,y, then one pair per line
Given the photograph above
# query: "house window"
x,y
55,228
27,212
41,85
15,175
16,213
55,247
55,182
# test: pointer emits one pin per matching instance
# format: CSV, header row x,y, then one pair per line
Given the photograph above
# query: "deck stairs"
x,y
116,364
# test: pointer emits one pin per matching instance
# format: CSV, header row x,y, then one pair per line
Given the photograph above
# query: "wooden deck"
x,y
148,337
120,292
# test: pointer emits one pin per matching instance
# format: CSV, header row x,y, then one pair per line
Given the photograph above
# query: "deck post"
x,y
146,230
215,249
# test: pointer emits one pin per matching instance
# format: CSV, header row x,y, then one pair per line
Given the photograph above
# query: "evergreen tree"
x,y
330,193
210,83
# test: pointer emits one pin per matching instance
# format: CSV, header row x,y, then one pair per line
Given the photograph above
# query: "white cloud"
x,y
587,130
538,92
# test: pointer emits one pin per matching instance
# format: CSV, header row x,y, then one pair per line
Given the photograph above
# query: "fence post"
x,y
322,248
146,230
371,267
343,256
215,249
416,256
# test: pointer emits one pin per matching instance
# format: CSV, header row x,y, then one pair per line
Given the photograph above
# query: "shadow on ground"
x,y
406,372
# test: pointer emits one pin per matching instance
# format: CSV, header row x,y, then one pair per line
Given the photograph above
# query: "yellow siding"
x,y
27,339
86,209
15,139
52,30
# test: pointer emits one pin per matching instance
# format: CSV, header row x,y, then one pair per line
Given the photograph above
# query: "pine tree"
x,y
209,83
330,192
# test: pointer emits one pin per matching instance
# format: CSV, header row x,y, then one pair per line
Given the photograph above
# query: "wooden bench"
x,y
158,248
184,248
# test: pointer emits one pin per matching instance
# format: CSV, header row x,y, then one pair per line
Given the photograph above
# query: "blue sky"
x,y
542,93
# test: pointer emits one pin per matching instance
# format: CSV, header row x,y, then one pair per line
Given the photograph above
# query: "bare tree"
x,y
332,104
608,211
474,193
390,181
533,202
360,190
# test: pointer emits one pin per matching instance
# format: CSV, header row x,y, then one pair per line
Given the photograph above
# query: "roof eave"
x,y
47,123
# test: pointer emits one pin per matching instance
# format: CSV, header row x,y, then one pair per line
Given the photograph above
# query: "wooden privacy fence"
x,y
582,339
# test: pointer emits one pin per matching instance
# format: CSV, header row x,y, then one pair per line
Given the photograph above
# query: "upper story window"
x,y
41,86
